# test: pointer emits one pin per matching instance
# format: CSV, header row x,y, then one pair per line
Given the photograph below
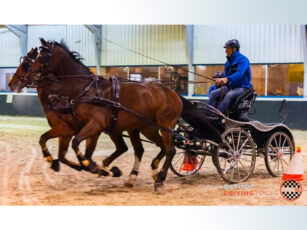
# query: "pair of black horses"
x,y
57,72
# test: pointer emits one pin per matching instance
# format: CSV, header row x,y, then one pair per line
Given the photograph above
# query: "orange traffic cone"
x,y
295,169
190,163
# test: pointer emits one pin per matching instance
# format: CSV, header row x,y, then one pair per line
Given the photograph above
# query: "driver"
x,y
237,77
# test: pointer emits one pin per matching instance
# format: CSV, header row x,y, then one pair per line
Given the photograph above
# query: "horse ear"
x,y
35,52
44,43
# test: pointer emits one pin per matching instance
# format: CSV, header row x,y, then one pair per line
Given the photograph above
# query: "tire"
x,y
236,160
279,150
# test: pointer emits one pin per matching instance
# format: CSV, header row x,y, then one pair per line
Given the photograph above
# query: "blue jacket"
x,y
237,70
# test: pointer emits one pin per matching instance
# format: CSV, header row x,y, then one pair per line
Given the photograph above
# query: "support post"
x,y
304,41
189,38
20,31
266,80
97,31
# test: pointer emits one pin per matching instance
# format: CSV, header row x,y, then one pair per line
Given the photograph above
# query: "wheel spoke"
x,y
238,169
284,161
283,144
273,148
243,145
243,165
228,167
275,141
181,166
182,154
233,141
192,159
282,165
186,163
238,140
275,165
232,150
279,141
226,153
232,172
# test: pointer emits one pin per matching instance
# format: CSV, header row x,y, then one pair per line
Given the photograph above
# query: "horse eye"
x,y
25,66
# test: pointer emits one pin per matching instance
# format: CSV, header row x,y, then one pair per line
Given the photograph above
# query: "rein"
x,y
39,77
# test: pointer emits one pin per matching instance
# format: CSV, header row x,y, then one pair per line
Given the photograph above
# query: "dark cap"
x,y
233,43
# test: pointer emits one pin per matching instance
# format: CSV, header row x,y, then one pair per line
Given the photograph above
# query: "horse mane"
x,y
73,54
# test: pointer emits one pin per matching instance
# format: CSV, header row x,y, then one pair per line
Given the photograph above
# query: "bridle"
x,y
43,70
22,80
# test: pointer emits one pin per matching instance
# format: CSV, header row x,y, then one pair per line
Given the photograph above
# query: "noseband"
x,y
22,80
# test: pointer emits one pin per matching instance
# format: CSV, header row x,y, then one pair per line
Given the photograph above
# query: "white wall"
x,y
77,38
260,43
163,42
10,50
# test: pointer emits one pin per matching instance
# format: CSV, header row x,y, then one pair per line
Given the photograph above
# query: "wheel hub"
x,y
236,155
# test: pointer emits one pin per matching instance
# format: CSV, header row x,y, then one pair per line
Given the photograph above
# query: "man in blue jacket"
x,y
237,78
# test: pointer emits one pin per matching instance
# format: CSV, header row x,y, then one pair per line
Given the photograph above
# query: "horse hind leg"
x,y
170,152
154,136
167,118
63,146
138,153
52,133
120,146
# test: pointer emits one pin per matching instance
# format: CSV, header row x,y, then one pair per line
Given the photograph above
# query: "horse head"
x,y
17,83
55,59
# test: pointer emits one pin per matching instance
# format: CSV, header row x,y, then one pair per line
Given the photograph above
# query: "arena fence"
x,y
266,108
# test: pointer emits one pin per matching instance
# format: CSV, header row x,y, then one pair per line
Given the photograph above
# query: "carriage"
x,y
243,141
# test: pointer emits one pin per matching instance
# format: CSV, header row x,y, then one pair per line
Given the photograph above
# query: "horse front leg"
x,y
54,132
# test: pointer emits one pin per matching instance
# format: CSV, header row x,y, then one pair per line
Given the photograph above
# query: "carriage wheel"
x,y
235,161
186,164
278,152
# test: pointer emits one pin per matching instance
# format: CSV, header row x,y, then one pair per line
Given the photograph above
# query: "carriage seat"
x,y
240,106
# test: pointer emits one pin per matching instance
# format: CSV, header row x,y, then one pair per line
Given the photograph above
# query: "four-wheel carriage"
x,y
243,141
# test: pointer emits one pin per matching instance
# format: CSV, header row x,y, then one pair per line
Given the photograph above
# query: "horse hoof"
x,y
158,187
55,165
116,171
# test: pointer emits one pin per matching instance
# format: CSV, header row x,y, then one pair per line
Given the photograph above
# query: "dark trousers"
x,y
229,95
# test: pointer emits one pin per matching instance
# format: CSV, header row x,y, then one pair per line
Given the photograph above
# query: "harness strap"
x,y
115,98
114,102
99,101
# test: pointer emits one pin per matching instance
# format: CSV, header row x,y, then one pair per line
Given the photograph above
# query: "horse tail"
x,y
198,120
